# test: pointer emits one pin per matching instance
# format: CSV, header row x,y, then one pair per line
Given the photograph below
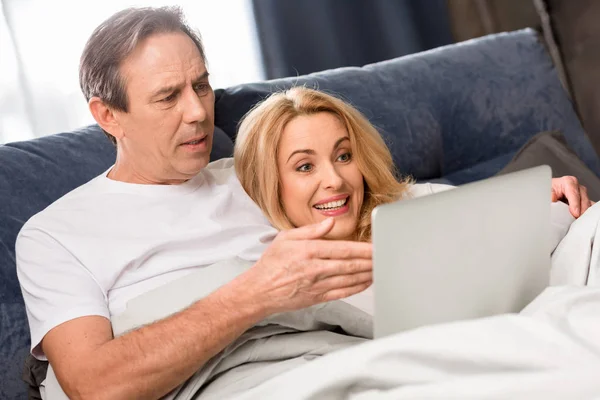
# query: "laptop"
x,y
478,250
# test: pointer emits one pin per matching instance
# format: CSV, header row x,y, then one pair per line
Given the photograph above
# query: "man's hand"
x,y
300,269
568,188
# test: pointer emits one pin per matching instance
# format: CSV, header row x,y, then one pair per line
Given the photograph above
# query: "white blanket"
x,y
551,350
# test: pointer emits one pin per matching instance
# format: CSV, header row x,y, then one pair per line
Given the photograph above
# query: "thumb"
x,y
309,232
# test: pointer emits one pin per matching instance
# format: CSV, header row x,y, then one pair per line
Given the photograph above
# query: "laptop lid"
x,y
478,250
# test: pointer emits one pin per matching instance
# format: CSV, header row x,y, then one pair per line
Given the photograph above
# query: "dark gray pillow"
x,y
550,148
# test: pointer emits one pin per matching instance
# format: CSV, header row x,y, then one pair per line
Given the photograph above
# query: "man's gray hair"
x,y
114,40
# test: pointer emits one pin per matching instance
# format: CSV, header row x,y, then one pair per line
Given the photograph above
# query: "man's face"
x,y
167,132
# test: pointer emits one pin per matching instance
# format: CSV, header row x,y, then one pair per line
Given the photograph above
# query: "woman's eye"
x,y
345,157
304,168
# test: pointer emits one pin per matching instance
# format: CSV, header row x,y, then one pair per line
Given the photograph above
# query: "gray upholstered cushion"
x,y
479,171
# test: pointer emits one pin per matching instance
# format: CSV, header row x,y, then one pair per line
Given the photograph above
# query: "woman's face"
x,y
319,177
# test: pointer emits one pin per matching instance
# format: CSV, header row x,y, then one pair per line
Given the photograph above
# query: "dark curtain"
x,y
302,36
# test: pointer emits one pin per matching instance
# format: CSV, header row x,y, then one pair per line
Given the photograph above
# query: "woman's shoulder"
x,y
425,189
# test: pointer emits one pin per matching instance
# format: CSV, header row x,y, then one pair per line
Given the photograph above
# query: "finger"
x,y
310,232
332,268
342,281
339,250
342,293
585,200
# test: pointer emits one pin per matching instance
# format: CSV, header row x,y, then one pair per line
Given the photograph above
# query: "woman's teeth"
x,y
332,204
194,142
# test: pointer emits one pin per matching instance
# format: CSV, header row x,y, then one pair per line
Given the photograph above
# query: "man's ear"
x,y
105,117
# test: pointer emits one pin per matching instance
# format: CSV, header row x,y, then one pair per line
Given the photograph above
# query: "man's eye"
x,y
201,87
345,157
304,168
169,98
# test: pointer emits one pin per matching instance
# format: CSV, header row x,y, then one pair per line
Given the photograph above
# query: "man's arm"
x,y
150,361
296,271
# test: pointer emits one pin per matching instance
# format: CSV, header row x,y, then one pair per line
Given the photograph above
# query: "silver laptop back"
x,y
478,250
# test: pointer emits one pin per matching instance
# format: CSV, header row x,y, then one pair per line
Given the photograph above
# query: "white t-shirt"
x,y
107,242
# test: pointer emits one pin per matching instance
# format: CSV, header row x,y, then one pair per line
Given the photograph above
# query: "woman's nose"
x,y
332,179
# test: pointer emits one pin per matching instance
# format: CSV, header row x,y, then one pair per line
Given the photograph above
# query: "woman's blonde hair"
x,y
256,150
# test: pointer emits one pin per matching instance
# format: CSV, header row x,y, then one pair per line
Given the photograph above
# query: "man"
x,y
159,215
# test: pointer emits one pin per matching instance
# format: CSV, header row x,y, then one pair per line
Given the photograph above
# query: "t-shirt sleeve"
x,y
56,287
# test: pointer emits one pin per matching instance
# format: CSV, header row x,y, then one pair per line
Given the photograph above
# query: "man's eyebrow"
x,y
305,151
169,89
164,90
202,77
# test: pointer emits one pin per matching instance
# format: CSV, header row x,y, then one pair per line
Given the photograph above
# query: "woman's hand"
x,y
568,188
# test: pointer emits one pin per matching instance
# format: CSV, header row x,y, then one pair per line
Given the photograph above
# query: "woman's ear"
x,y
105,117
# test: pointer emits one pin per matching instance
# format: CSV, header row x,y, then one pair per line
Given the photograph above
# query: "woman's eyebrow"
x,y
339,141
305,151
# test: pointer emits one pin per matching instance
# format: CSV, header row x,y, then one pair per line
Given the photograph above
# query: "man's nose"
x,y
194,111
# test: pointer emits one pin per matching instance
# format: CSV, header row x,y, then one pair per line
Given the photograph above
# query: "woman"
x,y
319,157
